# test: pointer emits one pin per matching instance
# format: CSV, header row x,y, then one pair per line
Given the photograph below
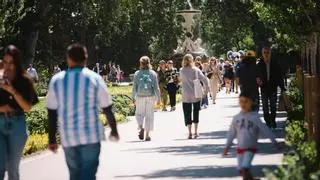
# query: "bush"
x,y
300,163
296,111
119,118
44,78
123,104
37,120
35,143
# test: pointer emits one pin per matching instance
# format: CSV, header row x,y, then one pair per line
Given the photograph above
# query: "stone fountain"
x,y
190,44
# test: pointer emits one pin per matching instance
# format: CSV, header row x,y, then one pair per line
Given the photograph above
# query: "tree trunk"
x,y
30,26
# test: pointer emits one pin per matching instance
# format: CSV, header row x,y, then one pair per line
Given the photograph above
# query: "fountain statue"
x,y
189,45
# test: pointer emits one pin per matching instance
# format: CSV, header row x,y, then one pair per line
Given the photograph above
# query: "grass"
x,y
116,90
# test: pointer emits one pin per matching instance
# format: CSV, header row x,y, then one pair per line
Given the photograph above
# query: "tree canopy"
x,y
123,30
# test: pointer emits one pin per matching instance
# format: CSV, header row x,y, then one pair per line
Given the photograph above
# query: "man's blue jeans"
x,y
83,161
13,136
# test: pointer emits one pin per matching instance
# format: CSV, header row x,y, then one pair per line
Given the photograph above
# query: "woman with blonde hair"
x,y
145,92
214,76
191,104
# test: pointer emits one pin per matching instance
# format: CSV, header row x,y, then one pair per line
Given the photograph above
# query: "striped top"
x,y
77,94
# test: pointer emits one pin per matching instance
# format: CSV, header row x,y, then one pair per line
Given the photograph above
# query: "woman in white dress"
x,y
214,76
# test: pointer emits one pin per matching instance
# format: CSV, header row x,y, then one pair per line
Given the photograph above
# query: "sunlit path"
x,y
169,155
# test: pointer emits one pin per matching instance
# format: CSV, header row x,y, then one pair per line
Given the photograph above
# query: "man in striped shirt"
x,y
74,99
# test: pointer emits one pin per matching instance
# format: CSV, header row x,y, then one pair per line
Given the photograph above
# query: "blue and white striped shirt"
x,y
77,94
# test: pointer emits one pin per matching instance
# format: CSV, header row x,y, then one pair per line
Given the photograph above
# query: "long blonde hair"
x,y
145,63
188,61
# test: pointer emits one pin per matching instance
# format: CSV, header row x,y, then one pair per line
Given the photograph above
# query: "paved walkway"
x,y
169,155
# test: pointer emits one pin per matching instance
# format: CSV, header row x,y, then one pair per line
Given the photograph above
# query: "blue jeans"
x,y
13,136
83,161
205,101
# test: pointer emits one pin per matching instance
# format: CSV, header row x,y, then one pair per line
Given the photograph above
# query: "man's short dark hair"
x,y
78,53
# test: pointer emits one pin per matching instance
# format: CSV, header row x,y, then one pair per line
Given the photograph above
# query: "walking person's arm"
x,y
204,80
105,102
134,87
52,106
259,74
281,78
24,99
231,135
156,87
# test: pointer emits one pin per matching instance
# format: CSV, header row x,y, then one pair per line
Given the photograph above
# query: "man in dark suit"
x,y
269,79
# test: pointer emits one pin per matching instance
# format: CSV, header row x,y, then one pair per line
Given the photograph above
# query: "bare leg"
x,y
190,132
196,135
148,136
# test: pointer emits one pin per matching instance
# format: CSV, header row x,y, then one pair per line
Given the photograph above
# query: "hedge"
x,y
300,162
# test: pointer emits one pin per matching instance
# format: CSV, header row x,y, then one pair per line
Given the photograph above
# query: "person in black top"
x,y
228,76
172,84
246,77
104,72
270,78
17,96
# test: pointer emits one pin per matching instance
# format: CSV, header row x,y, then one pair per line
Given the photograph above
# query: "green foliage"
x,y
300,163
36,143
37,120
296,111
124,105
44,78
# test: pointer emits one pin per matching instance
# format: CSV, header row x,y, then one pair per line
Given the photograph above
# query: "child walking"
x,y
246,127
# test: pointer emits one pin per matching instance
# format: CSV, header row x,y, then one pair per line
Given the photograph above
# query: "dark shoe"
x,y
141,134
196,136
190,136
274,125
173,109
148,138
164,110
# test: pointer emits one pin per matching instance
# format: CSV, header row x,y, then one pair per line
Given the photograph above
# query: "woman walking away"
x,y
172,86
17,95
214,76
145,92
188,74
228,76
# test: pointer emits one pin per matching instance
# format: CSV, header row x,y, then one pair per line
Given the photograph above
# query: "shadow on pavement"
x,y
202,149
201,172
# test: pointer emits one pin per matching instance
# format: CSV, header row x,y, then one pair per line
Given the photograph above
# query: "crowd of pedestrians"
x,y
111,72
76,94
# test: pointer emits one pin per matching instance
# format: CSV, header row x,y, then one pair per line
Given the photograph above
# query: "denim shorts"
x,y
245,160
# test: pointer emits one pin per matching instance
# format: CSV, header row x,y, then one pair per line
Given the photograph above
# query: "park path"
x,y
169,155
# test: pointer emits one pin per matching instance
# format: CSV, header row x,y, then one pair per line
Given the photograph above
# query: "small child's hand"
x,y
225,152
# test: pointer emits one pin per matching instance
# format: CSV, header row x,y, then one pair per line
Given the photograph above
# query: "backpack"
x,y
145,84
